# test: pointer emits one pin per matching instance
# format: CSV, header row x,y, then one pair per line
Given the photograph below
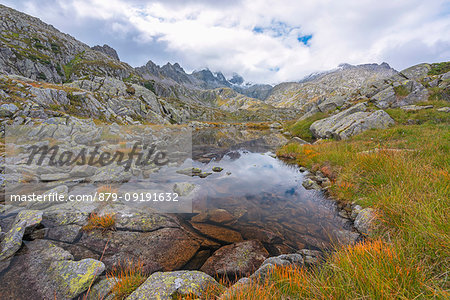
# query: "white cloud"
x,y
220,35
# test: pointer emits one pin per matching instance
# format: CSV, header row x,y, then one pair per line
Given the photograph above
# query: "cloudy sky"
x,y
266,41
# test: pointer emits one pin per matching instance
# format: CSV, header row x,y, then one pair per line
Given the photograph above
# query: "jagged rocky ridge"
x,y
34,50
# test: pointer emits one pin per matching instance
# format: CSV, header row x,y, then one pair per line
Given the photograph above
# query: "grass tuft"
x,y
129,276
104,222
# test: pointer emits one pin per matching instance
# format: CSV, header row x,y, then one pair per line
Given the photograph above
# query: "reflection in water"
x,y
264,192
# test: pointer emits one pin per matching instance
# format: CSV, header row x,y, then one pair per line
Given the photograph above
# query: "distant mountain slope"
x,y
34,49
343,82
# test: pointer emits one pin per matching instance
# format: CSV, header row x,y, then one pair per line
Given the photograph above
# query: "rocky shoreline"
x,y
56,245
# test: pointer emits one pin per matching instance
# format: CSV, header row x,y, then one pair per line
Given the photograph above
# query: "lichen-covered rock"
x,y
217,169
30,217
330,103
355,211
311,257
240,259
365,222
64,233
167,285
12,240
73,212
74,277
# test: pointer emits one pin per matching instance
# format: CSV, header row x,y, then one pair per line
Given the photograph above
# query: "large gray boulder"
x,y
46,271
168,285
74,277
350,122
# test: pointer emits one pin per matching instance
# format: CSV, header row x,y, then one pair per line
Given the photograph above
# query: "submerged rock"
x,y
167,285
219,215
183,188
240,259
218,233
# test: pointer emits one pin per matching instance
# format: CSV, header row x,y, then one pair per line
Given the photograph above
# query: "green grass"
x,y
301,128
437,93
401,91
439,68
428,116
408,182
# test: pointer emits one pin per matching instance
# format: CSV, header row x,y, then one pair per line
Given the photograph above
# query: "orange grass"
x,y
104,222
106,189
129,276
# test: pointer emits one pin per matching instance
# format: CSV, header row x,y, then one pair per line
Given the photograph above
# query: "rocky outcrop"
x,y
31,48
107,50
168,285
350,122
400,94
416,72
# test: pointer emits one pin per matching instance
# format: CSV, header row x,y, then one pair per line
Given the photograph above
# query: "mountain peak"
x,y
108,50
